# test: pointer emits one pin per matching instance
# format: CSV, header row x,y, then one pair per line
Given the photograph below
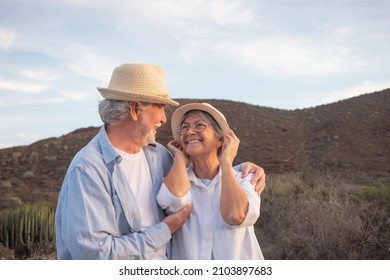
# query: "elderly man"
x,y
107,206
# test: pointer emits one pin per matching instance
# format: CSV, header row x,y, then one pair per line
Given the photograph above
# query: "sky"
x,y
282,54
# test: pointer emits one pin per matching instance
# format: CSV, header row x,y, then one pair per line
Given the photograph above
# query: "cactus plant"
x,y
28,226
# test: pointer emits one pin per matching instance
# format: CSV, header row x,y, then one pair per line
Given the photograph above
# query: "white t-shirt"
x,y
136,170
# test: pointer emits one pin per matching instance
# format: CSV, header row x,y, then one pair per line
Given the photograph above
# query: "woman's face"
x,y
196,143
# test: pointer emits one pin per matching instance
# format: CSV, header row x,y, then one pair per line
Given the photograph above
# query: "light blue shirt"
x,y
97,215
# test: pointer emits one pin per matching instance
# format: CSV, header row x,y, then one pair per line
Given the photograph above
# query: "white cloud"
x,y
96,66
82,58
198,28
87,62
291,56
164,13
41,74
170,12
41,101
7,38
351,91
23,87
75,95
227,12
348,92
344,30
63,96
28,137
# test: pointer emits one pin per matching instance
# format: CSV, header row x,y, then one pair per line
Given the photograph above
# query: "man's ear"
x,y
133,110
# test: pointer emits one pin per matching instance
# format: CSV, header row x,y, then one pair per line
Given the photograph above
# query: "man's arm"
x,y
90,232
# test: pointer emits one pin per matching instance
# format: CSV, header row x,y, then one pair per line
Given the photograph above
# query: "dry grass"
x,y
323,217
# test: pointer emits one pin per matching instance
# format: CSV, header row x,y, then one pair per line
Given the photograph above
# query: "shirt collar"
x,y
110,154
197,181
108,151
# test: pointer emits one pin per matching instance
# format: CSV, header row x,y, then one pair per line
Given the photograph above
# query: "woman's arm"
x,y
177,181
234,202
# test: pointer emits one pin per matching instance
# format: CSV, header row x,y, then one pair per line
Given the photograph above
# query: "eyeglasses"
x,y
198,126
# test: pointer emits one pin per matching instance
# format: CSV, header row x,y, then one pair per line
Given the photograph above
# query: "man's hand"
x,y
258,177
176,220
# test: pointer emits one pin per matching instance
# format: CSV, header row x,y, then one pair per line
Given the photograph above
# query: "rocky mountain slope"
x,y
350,138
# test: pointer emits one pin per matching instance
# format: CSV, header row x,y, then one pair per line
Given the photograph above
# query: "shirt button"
x,y
118,159
101,243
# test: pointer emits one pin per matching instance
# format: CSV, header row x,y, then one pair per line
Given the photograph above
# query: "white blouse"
x,y
205,235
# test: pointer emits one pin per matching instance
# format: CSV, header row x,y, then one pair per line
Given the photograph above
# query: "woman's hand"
x,y
229,148
177,151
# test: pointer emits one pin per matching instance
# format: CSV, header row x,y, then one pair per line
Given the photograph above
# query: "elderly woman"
x,y
225,206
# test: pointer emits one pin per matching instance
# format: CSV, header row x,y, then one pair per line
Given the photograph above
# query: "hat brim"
x,y
177,117
127,96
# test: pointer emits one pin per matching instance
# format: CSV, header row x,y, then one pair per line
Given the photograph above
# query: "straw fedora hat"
x,y
138,82
177,117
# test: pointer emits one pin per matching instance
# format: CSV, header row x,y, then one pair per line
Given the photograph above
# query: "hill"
x,y
349,138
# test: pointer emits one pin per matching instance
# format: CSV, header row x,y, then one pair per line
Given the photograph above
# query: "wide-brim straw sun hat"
x,y
138,82
177,117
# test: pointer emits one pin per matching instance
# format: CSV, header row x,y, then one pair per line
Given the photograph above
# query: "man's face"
x,y
152,118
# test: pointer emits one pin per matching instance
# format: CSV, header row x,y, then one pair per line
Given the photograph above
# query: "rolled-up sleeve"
x,y
254,201
171,203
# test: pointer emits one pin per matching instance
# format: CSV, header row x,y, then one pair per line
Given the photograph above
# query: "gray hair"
x,y
208,118
112,111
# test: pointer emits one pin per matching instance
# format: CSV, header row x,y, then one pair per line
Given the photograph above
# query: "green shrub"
x,y
16,155
6,184
14,200
28,174
51,158
378,192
